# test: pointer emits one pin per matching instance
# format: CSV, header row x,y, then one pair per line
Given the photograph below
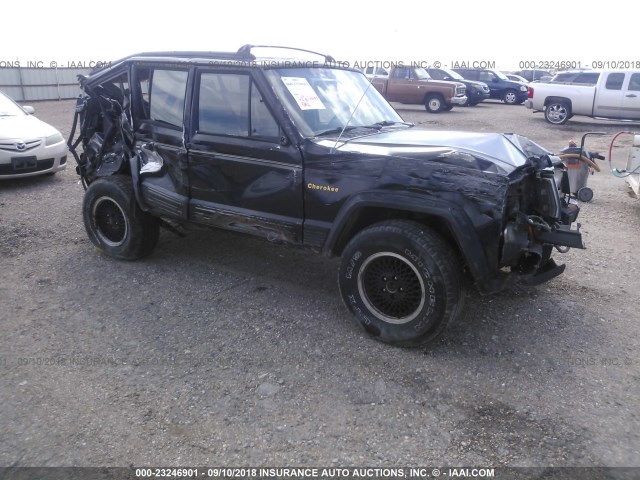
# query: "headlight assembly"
x,y
53,139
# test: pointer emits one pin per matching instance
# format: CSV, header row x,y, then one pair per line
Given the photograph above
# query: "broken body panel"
x,y
312,170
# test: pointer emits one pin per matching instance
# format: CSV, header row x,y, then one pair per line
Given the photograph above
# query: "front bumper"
x,y
39,161
478,95
540,220
459,100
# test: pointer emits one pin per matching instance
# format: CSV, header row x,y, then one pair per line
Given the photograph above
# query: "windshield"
x,y
323,99
452,74
8,108
500,75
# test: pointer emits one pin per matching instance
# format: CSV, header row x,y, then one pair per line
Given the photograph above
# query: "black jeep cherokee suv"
x,y
307,153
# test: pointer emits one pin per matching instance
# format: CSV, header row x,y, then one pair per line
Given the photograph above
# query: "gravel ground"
x,y
223,350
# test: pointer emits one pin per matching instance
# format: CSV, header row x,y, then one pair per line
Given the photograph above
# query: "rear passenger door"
x,y
244,173
159,107
608,102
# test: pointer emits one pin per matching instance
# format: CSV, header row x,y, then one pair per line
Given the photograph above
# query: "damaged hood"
x,y
484,151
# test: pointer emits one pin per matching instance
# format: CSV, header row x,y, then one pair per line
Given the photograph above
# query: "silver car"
x,y
28,146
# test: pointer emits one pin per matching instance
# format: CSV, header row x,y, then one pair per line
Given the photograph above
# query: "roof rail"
x,y
245,51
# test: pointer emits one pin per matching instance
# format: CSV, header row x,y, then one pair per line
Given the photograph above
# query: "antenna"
x,y
333,150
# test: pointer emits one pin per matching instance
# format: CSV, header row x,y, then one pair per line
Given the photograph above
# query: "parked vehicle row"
x,y
440,88
476,91
534,75
414,85
500,87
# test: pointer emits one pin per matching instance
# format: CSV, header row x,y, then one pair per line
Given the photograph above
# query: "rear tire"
x,y
557,112
114,221
402,282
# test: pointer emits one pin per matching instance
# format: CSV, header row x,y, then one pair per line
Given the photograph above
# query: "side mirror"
x,y
495,80
29,109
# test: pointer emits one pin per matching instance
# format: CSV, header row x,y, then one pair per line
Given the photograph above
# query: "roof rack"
x,y
243,54
197,54
245,51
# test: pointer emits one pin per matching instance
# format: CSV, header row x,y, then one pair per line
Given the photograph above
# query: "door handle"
x,y
631,95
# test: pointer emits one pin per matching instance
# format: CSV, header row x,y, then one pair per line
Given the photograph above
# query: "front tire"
x,y
557,113
402,282
114,221
510,97
434,103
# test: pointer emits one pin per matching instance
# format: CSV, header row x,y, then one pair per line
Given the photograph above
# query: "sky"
x,y
511,34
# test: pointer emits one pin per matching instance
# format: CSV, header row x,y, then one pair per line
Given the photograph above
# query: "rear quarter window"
x,y
587,78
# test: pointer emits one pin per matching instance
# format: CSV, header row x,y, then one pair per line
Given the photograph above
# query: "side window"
x,y
382,71
223,104
402,73
230,104
262,122
486,77
369,71
163,94
614,81
470,74
634,83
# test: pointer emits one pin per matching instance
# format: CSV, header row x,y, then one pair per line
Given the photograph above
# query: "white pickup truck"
x,y
616,95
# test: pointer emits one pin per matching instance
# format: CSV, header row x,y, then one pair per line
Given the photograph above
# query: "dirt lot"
x,y
224,350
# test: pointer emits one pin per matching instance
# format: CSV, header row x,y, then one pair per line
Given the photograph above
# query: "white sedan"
x,y
28,146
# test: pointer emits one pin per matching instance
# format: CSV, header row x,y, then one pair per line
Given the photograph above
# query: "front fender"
x,y
465,231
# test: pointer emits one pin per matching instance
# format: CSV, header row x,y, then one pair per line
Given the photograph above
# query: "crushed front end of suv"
x,y
308,153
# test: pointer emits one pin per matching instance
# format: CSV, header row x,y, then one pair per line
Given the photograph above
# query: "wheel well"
x,y
549,100
367,216
433,94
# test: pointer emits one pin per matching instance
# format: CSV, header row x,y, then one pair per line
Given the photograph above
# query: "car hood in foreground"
x,y
491,151
23,127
